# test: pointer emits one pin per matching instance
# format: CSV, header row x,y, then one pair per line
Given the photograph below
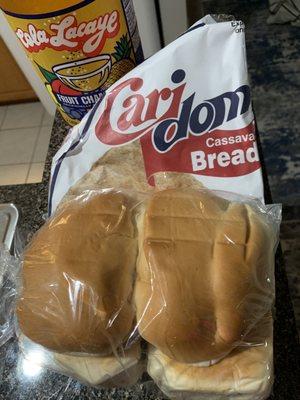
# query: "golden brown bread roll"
x,y
115,370
245,374
109,371
201,275
78,277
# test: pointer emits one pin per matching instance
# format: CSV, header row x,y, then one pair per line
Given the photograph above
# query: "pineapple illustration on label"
x,y
122,61
80,51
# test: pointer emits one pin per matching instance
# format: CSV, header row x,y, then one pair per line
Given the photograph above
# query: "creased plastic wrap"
x,y
93,370
245,374
9,291
78,277
204,273
204,293
188,271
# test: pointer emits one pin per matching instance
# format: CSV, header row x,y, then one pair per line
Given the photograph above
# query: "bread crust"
x,y
78,276
201,274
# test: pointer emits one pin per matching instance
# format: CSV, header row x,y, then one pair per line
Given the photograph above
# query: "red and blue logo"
x,y
176,133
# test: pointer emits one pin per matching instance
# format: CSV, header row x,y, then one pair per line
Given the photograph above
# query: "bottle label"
x,y
81,51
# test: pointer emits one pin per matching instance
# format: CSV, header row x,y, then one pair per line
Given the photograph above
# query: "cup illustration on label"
x,y
81,82
85,75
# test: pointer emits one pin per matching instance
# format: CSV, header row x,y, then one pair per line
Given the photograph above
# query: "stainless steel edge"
x,y
11,212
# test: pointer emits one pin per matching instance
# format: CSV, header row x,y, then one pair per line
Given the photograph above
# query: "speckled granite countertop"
x,y
31,201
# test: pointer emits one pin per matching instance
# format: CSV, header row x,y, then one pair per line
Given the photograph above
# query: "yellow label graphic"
x,y
80,51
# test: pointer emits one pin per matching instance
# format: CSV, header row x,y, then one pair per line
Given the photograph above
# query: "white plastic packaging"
x,y
186,110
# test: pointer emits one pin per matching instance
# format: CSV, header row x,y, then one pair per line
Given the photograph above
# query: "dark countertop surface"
x,y
18,383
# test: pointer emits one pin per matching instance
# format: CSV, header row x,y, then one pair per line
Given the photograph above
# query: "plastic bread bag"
x,y
245,374
92,370
186,110
76,300
205,271
9,290
77,313
204,292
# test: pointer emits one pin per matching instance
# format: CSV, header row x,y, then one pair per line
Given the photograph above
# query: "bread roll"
x,y
245,374
109,371
78,277
202,274
114,370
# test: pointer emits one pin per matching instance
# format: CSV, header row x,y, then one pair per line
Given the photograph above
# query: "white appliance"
x,y
160,22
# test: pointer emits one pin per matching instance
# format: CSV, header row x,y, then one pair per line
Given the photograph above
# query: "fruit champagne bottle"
x,y
78,48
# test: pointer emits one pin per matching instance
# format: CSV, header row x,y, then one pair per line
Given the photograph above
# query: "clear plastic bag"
x,y
78,276
112,266
97,371
204,274
9,290
245,374
9,269
204,286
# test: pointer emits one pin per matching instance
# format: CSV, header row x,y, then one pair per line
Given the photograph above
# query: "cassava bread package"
x,y
158,255
187,109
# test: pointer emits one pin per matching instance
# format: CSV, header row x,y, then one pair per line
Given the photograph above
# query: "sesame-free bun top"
x,y
202,274
78,277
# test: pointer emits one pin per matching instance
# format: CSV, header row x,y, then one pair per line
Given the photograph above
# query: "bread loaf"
x,y
201,275
245,374
109,371
78,277
119,369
